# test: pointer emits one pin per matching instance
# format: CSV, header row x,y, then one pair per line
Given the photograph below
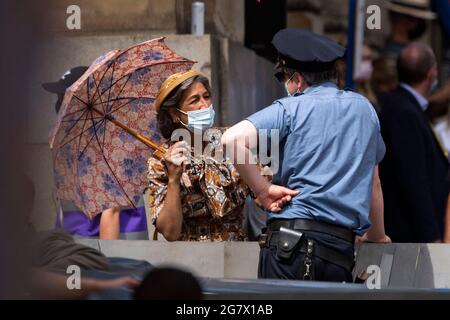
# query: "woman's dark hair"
x,y
165,123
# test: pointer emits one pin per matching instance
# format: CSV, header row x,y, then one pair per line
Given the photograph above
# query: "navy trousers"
x,y
272,267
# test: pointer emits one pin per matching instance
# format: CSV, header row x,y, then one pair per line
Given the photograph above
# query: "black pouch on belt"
x,y
288,242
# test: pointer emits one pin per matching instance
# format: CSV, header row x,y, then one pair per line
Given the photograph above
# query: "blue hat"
x,y
306,51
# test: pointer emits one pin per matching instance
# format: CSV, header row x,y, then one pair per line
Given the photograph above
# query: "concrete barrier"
x,y
407,264
204,259
417,266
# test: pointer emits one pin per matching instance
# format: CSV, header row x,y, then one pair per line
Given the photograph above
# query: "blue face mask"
x,y
287,88
199,119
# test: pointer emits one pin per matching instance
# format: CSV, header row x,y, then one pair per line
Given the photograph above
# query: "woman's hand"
x,y
175,158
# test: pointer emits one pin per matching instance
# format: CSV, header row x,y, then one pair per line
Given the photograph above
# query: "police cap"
x,y
306,51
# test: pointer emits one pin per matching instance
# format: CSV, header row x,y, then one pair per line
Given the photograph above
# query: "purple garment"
x,y
77,223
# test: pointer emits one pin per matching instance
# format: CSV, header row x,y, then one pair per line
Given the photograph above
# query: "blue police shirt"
x,y
330,142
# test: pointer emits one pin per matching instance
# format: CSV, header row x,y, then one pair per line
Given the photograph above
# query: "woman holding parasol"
x,y
193,197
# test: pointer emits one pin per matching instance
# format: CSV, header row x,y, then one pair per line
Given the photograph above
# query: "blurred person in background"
x,y
168,284
414,171
408,22
363,78
49,254
440,100
21,32
408,19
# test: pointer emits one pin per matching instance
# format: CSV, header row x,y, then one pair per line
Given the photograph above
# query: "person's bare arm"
x,y
49,285
170,219
110,224
447,222
376,232
241,138
441,96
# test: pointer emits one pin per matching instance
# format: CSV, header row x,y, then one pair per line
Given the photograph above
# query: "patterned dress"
x,y
212,195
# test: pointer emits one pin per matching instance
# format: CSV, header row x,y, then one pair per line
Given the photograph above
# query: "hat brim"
x,y
54,87
413,12
171,83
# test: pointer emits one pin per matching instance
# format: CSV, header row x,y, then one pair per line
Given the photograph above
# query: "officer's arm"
x,y
244,132
376,233
238,141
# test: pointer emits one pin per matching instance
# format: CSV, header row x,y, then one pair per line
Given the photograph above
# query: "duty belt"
x,y
273,234
312,225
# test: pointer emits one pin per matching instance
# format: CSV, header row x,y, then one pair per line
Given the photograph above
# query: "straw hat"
x,y
171,83
414,8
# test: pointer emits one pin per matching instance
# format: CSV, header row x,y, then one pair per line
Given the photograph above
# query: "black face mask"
x,y
418,31
58,103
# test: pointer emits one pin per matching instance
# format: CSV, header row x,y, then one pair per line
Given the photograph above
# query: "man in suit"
x,y
414,171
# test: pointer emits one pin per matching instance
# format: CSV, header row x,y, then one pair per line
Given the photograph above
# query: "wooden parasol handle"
x,y
159,150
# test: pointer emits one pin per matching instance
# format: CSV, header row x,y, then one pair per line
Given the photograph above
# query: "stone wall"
x,y
114,15
222,18
244,87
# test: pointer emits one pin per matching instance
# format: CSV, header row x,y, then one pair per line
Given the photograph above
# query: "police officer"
x,y
327,181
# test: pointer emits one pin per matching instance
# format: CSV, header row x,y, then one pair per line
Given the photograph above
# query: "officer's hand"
x,y
274,198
